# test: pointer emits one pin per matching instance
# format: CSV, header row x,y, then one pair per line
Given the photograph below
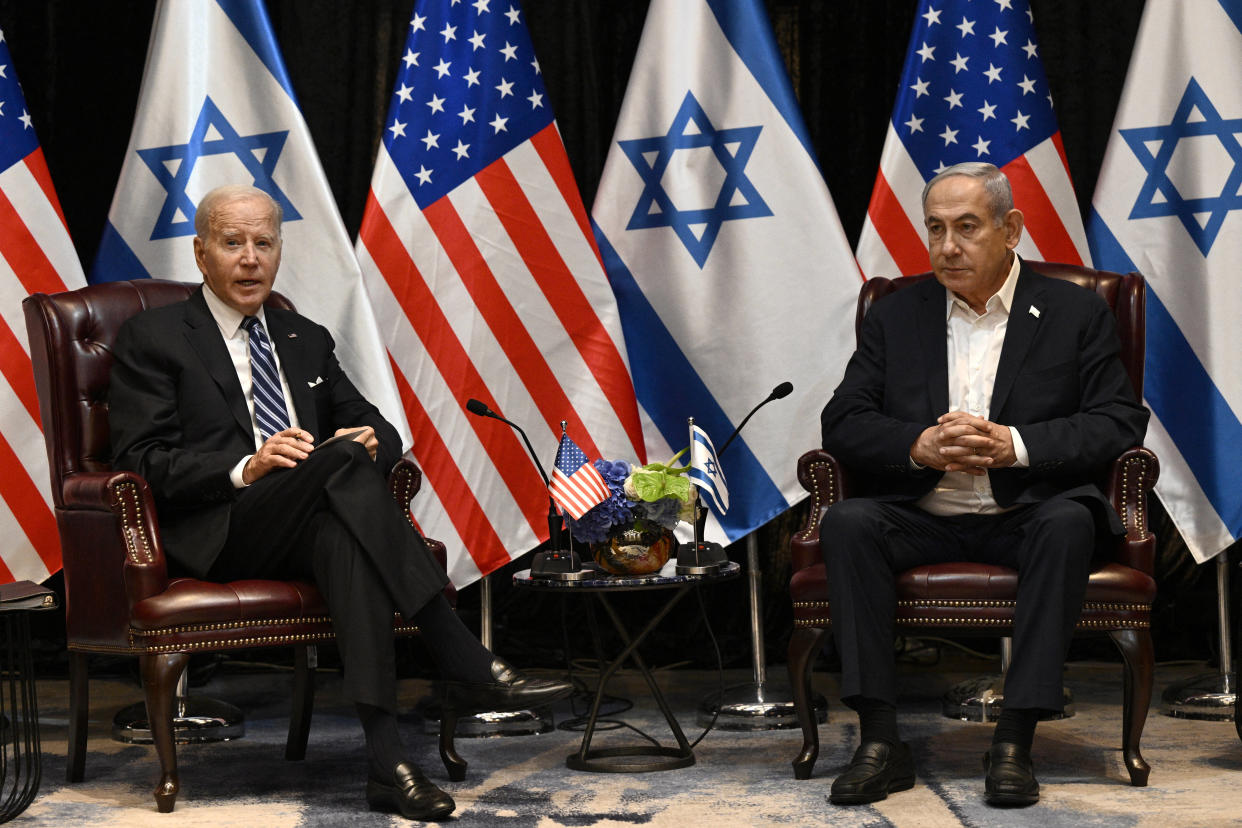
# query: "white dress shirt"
x,y
237,340
974,343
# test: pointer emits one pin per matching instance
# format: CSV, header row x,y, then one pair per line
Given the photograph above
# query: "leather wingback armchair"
x,y
973,598
120,598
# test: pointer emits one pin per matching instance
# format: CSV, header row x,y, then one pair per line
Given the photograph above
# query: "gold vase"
x,y
639,550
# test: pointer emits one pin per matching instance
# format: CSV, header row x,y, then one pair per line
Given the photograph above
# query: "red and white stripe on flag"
x,y
496,292
579,492
36,255
955,104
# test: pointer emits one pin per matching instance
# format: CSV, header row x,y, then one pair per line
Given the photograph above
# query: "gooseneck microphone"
x,y
779,392
705,557
553,563
480,408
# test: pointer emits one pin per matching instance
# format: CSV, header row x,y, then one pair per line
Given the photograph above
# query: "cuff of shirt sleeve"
x,y
1023,460
236,474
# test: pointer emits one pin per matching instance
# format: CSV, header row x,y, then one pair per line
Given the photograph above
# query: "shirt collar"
x,y
227,317
1002,299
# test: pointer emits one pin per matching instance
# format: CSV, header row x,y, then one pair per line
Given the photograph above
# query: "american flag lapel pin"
x,y
1034,311
295,336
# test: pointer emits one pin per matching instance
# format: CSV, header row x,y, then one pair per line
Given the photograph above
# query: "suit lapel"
x,y
1023,325
931,350
297,368
203,334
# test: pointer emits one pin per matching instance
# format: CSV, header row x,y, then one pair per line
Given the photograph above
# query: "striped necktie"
x,y
269,399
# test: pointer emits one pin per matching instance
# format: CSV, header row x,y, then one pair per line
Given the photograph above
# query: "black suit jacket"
x,y
178,416
1059,381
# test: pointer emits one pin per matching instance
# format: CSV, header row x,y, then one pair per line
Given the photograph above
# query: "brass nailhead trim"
x,y
127,499
1126,624
813,520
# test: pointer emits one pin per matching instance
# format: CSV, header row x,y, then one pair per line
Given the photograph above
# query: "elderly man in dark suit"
x,y
218,403
976,413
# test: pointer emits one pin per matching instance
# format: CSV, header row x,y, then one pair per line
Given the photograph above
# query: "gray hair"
x,y
995,184
228,193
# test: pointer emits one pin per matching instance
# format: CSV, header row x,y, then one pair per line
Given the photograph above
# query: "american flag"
x,y
486,283
36,255
973,89
577,486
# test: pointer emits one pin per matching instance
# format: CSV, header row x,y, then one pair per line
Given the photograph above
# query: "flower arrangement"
x,y
656,493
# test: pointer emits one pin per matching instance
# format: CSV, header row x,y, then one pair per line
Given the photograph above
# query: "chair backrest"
x,y
71,336
1124,293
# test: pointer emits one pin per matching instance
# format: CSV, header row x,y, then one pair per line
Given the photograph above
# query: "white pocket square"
x,y
317,381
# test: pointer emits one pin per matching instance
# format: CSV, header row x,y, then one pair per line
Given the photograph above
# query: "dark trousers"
x,y
867,543
330,520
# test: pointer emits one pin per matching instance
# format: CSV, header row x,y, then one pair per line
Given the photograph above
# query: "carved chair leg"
x,y
803,645
304,662
79,716
1138,653
453,763
159,684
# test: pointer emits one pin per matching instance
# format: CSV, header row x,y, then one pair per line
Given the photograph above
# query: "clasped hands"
x,y
966,443
287,448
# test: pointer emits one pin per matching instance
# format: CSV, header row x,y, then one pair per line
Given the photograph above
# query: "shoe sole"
x,y
896,786
1010,799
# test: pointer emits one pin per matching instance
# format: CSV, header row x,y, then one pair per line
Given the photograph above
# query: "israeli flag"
x,y
1167,204
724,249
705,471
216,108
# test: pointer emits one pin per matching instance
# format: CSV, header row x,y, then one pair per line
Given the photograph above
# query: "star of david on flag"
x,y
972,89
217,108
731,148
1159,195
576,486
705,472
36,256
258,154
724,249
1167,204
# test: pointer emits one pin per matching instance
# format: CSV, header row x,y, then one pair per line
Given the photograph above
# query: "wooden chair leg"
x,y
303,703
79,716
803,645
159,683
453,763
1139,655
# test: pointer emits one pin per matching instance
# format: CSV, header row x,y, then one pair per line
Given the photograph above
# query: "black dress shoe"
x,y
410,794
877,770
508,690
1010,776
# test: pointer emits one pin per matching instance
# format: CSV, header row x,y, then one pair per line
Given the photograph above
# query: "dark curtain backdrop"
x,y
81,66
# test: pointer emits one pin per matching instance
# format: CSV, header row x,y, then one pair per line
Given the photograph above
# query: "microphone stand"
x,y
753,705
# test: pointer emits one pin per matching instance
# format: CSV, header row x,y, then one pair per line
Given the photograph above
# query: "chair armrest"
x,y
110,538
822,475
1131,477
404,481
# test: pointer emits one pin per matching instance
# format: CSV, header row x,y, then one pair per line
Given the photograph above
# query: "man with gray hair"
x,y
225,407
976,414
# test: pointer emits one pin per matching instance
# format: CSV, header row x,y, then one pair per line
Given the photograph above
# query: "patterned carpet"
x,y
740,779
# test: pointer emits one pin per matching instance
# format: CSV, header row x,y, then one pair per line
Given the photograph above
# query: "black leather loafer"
x,y
1010,776
508,690
877,770
410,794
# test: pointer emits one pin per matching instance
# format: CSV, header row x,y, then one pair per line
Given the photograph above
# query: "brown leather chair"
x,y
972,598
119,596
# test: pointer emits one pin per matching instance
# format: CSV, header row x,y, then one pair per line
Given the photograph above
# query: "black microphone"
x,y
554,562
779,392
